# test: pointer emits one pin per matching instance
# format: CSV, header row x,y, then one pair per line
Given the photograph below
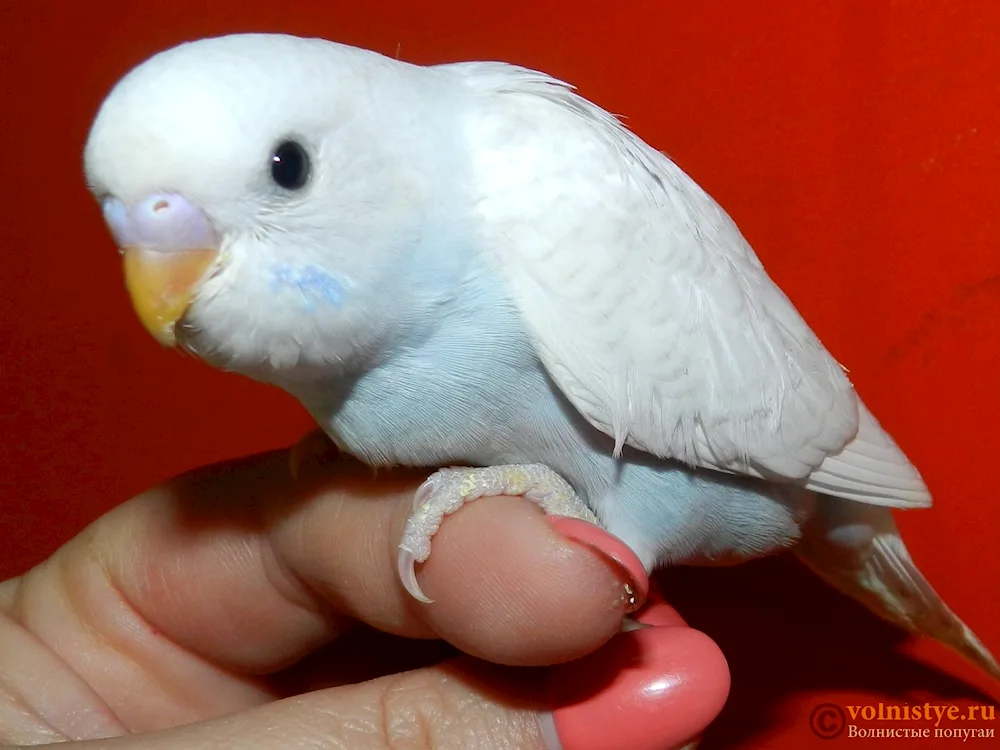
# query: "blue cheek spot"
x,y
316,287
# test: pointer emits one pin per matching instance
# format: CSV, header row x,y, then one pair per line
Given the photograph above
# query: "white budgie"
x,y
469,264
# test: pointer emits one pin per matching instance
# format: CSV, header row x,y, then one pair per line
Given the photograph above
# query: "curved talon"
x,y
406,567
629,624
423,492
447,490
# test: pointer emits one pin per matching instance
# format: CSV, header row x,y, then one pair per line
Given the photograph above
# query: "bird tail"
x,y
857,549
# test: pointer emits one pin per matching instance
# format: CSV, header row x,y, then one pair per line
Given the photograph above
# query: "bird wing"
x,y
650,310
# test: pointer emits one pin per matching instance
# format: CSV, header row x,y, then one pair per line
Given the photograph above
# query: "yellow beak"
x,y
162,285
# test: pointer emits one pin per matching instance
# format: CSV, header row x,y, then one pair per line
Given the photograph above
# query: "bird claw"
x,y
447,490
406,566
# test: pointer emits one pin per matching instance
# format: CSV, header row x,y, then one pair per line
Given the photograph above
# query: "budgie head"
x,y
265,192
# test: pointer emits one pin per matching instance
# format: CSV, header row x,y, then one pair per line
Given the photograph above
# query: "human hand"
x,y
236,607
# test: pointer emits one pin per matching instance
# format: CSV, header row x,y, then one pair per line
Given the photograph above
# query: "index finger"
x,y
237,570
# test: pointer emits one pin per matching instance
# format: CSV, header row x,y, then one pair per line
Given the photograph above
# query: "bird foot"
x,y
447,490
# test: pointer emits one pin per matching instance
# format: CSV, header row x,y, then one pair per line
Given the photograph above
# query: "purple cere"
x,y
163,222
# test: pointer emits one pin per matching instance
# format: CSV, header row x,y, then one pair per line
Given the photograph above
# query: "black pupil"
x,y
290,165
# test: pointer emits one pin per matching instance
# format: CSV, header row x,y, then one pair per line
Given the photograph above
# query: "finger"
x,y
506,585
441,707
647,690
236,570
99,615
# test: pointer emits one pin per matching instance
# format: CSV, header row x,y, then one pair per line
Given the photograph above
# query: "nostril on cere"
x,y
160,222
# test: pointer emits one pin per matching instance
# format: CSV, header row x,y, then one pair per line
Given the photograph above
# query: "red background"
x,y
856,143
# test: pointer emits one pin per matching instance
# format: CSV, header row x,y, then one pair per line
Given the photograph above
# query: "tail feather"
x,y
857,549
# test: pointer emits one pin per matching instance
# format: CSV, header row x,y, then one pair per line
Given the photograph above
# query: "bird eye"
x,y
290,165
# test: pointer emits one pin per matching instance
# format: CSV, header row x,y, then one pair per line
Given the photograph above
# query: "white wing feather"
x,y
650,310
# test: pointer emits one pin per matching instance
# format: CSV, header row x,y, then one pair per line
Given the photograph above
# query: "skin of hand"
x,y
236,606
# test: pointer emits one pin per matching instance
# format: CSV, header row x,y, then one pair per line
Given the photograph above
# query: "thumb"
x,y
445,706
654,688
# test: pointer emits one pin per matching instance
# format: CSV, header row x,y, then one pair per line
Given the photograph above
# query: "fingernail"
x,y
610,548
649,689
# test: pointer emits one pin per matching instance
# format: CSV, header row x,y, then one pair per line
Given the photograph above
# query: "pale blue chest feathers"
x,y
457,382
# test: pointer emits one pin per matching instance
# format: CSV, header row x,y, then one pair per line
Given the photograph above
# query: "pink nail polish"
x,y
608,546
649,689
